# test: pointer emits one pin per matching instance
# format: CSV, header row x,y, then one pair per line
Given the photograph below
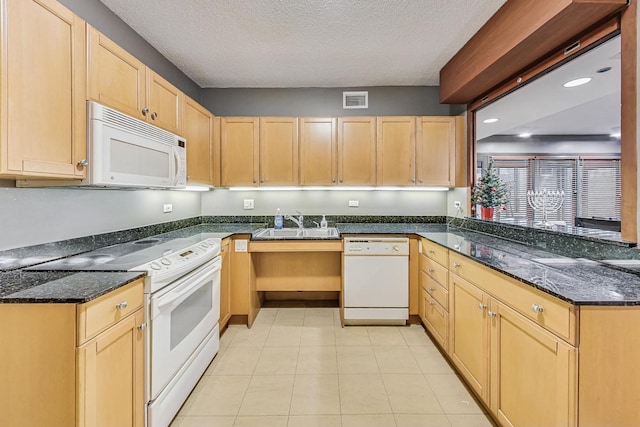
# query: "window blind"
x,y
557,175
600,189
515,175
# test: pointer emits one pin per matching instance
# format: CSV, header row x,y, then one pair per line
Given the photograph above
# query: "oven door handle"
x,y
174,296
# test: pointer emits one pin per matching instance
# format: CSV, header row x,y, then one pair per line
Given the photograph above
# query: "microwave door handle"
x,y
176,167
172,297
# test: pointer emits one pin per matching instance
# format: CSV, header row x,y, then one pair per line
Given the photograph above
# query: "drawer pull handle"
x,y
482,306
430,302
431,251
491,313
121,306
537,308
142,326
431,270
456,265
432,289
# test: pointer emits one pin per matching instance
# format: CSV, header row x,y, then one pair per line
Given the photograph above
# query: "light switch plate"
x,y
167,207
248,204
241,245
354,203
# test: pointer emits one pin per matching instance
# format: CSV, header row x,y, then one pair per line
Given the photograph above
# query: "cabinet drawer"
x,y
436,252
439,273
99,314
435,291
546,310
436,319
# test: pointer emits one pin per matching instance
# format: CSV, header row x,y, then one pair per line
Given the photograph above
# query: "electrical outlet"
x,y
248,204
354,203
167,207
457,204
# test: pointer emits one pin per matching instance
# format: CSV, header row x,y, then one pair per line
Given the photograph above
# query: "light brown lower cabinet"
x,y
532,359
74,364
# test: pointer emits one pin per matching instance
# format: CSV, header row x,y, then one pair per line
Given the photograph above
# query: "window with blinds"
x,y
592,187
600,189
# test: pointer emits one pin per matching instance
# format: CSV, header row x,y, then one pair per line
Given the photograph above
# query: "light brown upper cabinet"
x,y
396,148
357,151
119,80
318,150
43,90
278,151
436,150
198,130
239,151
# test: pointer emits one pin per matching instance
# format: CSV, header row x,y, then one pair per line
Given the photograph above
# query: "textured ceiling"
x,y
307,43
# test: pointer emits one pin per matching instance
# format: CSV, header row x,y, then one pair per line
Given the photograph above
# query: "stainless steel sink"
x,y
297,233
320,232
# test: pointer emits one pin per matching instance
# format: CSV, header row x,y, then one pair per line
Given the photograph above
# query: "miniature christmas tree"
x,y
489,191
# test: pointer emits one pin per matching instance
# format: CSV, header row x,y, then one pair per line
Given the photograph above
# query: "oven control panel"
x,y
179,262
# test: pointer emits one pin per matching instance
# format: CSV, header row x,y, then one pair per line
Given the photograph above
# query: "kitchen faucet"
x,y
299,221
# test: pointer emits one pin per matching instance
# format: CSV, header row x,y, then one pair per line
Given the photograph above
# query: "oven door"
x,y
182,314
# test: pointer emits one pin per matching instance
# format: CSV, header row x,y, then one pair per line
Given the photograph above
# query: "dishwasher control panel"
x,y
388,246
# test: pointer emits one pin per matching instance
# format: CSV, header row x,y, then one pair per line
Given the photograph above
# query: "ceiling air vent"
x,y
355,100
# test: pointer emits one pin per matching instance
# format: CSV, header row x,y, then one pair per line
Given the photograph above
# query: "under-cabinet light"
x,y
195,188
316,188
488,121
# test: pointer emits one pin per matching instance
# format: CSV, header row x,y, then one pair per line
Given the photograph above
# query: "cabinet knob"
x,y
121,306
333,180
420,180
431,270
430,302
142,326
482,306
537,308
145,111
341,180
413,180
456,265
83,163
491,313
261,179
154,115
254,180
431,251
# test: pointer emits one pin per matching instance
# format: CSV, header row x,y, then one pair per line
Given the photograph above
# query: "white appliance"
x,y
182,303
127,152
376,280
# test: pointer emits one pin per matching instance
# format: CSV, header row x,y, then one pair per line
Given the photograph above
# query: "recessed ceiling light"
x,y
577,82
490,120
615,135
603,70
524,135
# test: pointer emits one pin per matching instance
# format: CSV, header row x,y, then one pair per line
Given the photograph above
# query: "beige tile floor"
x,y
298,368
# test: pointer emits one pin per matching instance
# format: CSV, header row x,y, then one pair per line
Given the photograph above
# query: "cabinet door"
x,y
239,151
357,151
278,151
110,376
469,333
318,151
225,284
533,373
198,130
116,78
435,150
396,143
43,96
164,101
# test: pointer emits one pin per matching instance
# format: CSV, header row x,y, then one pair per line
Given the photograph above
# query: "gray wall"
x,y
108,23
30,216
329,202
383,101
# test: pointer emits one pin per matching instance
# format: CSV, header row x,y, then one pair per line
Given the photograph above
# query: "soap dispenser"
x,y
323,223
277,220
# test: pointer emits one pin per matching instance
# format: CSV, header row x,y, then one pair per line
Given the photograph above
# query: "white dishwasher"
x,y
376,280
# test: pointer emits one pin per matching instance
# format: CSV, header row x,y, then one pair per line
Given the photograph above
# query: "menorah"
x,y
545,201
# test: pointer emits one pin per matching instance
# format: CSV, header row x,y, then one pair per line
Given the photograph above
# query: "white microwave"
x,y
127,152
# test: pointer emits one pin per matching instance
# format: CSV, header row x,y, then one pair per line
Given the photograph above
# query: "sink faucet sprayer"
x,y
299,221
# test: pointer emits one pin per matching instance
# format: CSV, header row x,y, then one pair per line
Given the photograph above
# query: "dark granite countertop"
x,y
60,286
